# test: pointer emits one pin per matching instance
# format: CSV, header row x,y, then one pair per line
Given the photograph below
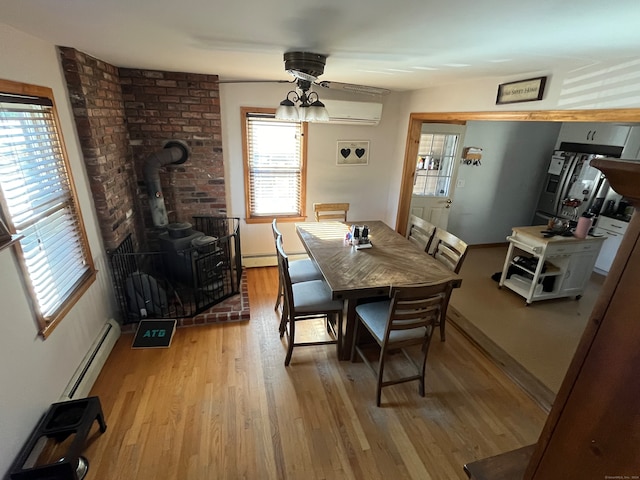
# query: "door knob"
x,y
448,200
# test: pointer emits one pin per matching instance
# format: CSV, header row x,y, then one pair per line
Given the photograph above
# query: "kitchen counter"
x,y
540,268
616,216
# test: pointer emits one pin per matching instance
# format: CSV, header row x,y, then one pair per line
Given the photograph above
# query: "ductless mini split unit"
x,y
352,112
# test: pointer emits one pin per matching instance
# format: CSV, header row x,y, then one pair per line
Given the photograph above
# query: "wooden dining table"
x,y
354,275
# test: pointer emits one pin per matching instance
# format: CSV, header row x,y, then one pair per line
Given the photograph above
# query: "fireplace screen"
x,y
196,266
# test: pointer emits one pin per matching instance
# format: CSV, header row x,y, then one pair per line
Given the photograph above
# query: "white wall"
x,y
366,188
34,372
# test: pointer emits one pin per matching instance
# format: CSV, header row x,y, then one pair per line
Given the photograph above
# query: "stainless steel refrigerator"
x,y
571,187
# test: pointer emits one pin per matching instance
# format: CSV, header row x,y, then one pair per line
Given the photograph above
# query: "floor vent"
x,y
88,371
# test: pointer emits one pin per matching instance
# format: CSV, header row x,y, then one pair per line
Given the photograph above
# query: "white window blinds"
x,y
274,166
41,207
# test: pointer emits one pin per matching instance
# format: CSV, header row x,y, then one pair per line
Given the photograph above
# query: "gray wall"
x,y
503,191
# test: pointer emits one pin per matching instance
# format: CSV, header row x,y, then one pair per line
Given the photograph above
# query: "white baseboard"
x,y
87,372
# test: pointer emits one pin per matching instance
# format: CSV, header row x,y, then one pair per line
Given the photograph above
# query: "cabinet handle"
x,y
616,226
588,134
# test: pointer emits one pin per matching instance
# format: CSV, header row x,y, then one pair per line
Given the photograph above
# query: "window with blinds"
x,y
274,166
40,206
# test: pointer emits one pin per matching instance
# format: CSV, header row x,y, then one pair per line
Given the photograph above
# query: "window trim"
x,y
46,326
244,111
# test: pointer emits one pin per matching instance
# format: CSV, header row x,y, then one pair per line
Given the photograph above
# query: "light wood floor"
x,y
219,404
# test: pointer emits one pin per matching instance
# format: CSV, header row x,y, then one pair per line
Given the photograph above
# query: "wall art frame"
x,y
352,152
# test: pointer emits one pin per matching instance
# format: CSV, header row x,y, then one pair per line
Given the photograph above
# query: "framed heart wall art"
x,y
352,153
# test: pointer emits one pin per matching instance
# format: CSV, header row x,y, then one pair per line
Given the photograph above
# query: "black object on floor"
x,y
154,333
63,419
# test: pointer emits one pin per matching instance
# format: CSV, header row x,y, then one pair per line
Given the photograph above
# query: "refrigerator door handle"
x,y
564,183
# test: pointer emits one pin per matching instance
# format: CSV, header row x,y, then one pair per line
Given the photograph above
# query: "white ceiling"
x,y
397,44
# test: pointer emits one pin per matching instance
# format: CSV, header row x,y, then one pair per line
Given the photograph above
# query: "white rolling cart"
x,y
565,262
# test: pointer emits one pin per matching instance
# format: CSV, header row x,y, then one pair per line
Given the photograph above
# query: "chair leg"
x,y
423,369
291,337
283,319
339,345
443,315
421,379
355,341
443,319
280,290
380,375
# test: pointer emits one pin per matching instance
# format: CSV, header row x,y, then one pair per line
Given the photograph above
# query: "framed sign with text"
x,y
521,91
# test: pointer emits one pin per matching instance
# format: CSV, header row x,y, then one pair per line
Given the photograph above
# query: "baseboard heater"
x,y
91,365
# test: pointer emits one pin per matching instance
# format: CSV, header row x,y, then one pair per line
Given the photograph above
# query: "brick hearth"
x,y
233,309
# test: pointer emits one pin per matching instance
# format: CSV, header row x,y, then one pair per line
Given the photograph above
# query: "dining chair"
x,y
406,319
330,211
420,232
451,252
302,270
306,301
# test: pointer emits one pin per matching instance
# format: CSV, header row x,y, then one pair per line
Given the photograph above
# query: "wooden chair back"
x,y
330,211
449,250
283,271
315,302
412,316
275,230
414,307
420,232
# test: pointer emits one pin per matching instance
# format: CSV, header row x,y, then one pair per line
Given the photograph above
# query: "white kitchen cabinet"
x,y
612,231
594,133
631,149
562,265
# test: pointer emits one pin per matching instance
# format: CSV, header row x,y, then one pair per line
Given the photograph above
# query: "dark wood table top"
x,y
351,273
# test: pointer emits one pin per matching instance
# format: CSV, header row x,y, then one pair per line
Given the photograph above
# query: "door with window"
x,y
436,171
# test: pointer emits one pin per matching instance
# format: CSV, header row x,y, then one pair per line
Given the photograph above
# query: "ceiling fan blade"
x,y
256,81
352,87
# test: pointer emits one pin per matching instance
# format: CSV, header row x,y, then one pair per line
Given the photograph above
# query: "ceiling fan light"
x,y
317,112
303,111
287,110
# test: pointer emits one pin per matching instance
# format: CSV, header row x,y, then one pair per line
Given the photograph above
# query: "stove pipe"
x,y
175,152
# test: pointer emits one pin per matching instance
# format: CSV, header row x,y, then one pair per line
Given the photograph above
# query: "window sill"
x,y
270,219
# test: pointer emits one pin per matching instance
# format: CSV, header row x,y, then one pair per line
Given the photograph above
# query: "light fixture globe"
x,y
317,112
287,109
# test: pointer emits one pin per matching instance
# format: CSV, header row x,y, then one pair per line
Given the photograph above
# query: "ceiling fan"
x,y
306,67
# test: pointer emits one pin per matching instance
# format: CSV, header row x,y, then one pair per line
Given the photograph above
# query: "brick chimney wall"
x,y
98,109
124,115
161,106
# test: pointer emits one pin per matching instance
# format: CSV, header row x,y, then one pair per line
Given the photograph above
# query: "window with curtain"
x,y
39,203
274,166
